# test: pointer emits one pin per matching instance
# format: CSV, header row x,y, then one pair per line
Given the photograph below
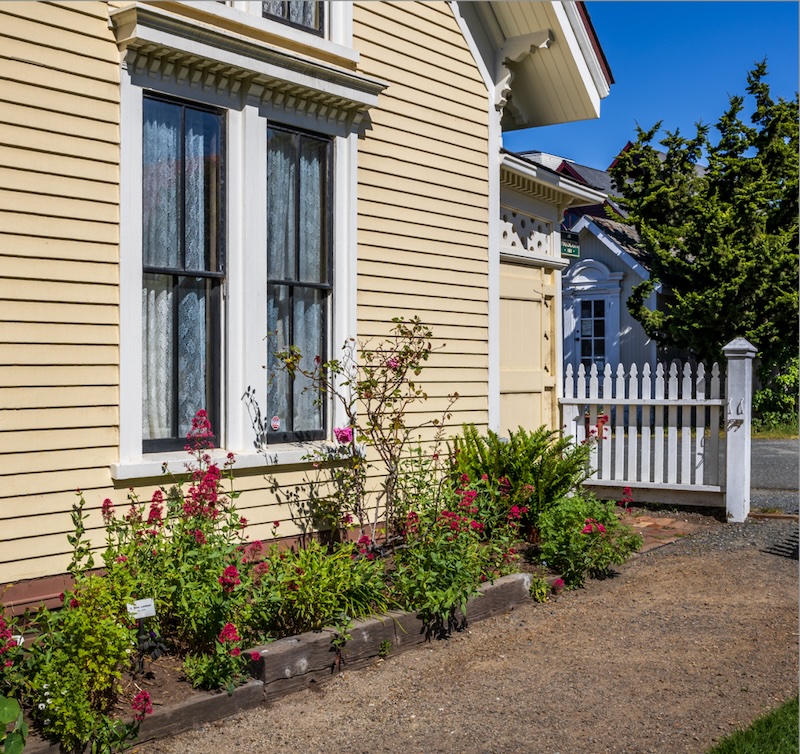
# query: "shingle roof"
x,y
597,179
625,236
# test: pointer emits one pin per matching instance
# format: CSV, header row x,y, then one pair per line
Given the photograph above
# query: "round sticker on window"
x,y
275,423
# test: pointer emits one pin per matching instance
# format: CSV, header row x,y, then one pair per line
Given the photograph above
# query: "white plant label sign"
x,y
142,608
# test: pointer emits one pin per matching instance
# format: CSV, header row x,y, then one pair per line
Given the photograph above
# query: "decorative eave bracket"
x,y
515,50
161,45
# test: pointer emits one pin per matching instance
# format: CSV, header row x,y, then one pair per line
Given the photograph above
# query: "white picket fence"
x,y
659,433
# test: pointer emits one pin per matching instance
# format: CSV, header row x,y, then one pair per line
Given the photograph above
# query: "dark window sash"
x,y
280,12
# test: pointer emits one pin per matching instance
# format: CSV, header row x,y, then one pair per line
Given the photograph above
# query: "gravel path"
x,y
687,643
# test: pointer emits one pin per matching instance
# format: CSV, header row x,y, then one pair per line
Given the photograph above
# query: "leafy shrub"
x,y
309,589
75,664
776,405
11,741
539,589
535,468
582,536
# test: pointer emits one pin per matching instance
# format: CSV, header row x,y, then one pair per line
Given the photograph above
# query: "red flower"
x,y
108,510
229,579
141,705
228,633
276,524
199,537
255,656
235,652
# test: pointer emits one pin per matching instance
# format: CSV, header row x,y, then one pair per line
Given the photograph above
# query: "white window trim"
x,y
243,327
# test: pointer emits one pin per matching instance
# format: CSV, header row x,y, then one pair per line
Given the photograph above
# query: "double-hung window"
x,y
182,267
299,262
304,14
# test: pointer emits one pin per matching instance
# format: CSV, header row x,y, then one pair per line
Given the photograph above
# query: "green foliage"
x,y
535,468
75,664
12,740
12,677
309,589
539,589
582,536
724,239
775,733
376,386
776,405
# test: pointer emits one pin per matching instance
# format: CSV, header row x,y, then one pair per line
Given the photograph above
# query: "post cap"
x,y
740,347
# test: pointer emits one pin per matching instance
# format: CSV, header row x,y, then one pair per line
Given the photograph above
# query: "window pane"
x,y
598,308
312,246
161,184
599,328
202,184
279,385
308,336
600,348
586,309
280,205
305,13
157,352
586,348
192,350
586,328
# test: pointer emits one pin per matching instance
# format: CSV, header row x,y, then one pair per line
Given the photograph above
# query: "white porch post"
x,y
739,393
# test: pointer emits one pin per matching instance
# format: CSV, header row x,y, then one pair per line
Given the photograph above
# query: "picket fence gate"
x,y
660,433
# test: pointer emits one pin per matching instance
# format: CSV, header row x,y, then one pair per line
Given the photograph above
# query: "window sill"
x,y
154,466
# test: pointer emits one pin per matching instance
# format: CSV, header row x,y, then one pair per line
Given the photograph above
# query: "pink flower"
x,y
199,537
228,633
392,363
558,586
229,579
235,652
108,510
276,524
255,656
120,559
587,529
343,435
242,522
141,705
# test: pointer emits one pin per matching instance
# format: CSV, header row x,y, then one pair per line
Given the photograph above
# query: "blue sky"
x,y
676,62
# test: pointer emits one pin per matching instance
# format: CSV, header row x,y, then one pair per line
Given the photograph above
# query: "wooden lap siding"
x,y
59,233
423,196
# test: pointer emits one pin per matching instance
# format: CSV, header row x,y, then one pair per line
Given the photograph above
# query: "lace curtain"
x,y
180,215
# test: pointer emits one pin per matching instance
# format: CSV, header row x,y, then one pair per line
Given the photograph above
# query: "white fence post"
x,y
739,393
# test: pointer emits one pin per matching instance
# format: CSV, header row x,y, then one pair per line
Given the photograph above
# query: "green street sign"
x,y
570,244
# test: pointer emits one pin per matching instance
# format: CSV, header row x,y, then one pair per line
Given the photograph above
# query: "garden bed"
x,y
298,662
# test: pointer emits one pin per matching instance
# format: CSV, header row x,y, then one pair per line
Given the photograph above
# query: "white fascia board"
x,y
583,50
572,190
586,223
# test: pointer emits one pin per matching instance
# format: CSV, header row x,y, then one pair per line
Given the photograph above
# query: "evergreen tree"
x,y
723,239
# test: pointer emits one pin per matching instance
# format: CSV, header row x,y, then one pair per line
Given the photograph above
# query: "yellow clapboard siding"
x,y
409,36
30,311
49,122
59,206
426,138
375,170
374,244
424,262
73,271
16,223
474,245
47,164
14,485
27,568
445,336
446,290
62,16
45,440
68,144
386,152
39,354
48,332
48,58
476,225
411,272
59,397
65,85
372,316
40,32
382,158
394,303
50,418
16,180
50,376
58,248
448,192
427,199
57,460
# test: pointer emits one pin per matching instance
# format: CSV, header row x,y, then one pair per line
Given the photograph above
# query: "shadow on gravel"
x,y
787,548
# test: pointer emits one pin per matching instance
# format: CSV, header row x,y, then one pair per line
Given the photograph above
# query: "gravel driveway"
x,y
687,643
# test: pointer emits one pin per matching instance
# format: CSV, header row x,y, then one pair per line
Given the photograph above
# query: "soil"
x,y
682,645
